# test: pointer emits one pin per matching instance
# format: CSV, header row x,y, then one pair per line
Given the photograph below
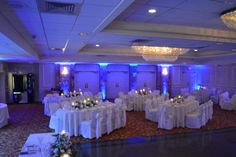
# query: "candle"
x,y
65,155
74,91
85,101
63,132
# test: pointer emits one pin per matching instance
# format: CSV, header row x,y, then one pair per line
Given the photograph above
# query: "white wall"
x,y
47,78
117,80
86,78
212,76
146,76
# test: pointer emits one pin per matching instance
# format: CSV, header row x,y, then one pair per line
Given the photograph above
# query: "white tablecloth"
x,y
36,142
4,115
70,120
201,95
138,101
179,110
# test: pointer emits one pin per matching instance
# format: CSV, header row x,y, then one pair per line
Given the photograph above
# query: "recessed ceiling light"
x,y
83,33
97,45
195,50
152,11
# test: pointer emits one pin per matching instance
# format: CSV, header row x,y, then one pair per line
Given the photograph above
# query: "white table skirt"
x,y
138,101
4,115
37,140
70,120
179,111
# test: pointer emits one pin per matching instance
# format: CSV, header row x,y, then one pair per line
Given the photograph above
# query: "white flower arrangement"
x,y
62,146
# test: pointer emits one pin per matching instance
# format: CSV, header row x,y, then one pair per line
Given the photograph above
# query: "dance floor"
x,y
28,118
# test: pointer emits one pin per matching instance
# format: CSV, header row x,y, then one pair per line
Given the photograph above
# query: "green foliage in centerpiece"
x,y
178,99
62,146
143,91
72,94
85,103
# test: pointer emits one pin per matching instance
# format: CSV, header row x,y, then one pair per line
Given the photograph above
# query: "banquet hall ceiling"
x,y
71,31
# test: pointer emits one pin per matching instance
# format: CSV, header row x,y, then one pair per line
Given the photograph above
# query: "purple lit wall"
x,y
165,79
133,76
103,79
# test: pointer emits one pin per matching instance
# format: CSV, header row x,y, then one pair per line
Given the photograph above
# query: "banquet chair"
x,y
121,94
109,120
210,110
117,118
165,117
118,101
130,103
194,119
180,116
233,101
156,92
225,102
150,112
92,128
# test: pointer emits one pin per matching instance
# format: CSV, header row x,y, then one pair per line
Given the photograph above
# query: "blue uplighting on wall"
x,y
103,77
133,76
165,77
198,72
103,64
132,64
65,63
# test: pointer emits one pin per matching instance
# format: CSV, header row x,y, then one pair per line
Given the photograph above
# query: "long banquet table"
x,y
69,120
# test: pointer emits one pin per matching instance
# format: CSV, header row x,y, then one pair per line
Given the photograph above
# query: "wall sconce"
x,y
65,71
165,71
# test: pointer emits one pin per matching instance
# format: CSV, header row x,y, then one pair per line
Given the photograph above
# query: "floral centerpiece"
x,y
143,91
72,94
85,103
178,99
62,146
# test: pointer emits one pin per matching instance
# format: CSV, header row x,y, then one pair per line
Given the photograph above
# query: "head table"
x,y
4,115
70,119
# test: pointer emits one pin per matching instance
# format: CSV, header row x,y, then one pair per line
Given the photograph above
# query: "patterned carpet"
x,y
26,119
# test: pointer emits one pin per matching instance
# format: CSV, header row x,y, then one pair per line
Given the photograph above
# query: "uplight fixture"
x,y
152,11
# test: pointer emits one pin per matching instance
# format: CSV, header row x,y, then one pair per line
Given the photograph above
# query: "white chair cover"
x,y
109,121
4,115
225,102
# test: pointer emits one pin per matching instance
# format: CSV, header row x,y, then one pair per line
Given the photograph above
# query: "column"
x,y
133,76
103,79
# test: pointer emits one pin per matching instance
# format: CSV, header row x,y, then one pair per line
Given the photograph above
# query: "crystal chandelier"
x,y
154,53
229,18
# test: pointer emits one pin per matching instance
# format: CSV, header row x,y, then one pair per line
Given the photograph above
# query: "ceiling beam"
x,y
10,26
171,31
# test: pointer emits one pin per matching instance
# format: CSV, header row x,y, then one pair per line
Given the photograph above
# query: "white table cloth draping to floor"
x,y
4,115
70,120
173,114
35,144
